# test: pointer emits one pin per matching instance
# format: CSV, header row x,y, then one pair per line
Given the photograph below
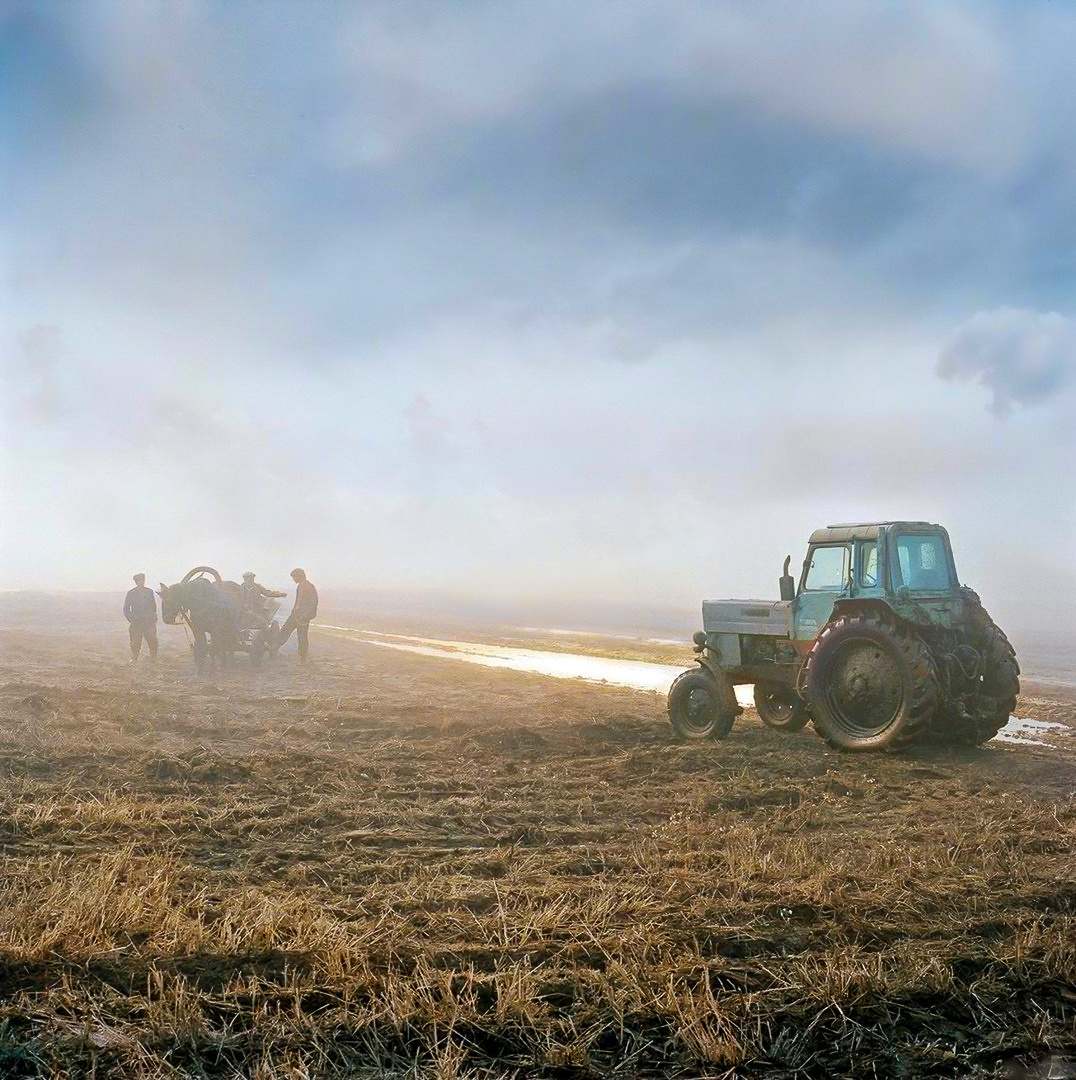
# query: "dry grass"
x,y
402,866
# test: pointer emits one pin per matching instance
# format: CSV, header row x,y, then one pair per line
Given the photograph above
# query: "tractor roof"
x,y
865,530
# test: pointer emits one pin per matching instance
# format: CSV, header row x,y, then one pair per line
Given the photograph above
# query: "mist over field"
x,y
586,305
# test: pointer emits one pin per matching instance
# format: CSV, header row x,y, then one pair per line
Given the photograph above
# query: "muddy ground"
x,y
394,865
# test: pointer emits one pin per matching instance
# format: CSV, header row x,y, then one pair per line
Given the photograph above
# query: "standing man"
x,y
306,607
140,610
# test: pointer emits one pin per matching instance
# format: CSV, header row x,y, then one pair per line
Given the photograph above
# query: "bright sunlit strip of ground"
x,y
633,674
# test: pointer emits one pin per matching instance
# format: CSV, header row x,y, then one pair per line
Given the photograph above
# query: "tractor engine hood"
x,y
771,618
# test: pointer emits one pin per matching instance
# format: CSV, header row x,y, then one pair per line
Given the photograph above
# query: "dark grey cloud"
x,y
1022,357
412,160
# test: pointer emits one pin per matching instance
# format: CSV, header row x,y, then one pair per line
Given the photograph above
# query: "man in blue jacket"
x,y
140,610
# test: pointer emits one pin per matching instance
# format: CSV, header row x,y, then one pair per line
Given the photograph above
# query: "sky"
x,y
610,302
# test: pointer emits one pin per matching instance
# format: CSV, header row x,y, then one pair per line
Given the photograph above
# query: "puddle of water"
x,y
633,674
1018,729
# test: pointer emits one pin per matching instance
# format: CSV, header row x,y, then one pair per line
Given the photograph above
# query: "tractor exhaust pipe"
x,y
788,586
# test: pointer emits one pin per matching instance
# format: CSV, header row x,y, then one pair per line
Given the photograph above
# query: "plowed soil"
x,y
388,864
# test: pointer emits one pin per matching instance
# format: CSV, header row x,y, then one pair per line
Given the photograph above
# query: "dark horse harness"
x,y
207,603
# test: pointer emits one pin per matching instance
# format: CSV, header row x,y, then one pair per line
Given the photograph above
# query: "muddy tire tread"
x,y
801,712
1003,666
698,675
923,697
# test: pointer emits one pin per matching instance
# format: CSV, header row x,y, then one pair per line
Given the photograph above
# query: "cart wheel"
x,y
259,648
201,572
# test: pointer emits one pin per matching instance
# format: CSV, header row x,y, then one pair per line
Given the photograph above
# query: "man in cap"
x,y
306,607
140,611
254,599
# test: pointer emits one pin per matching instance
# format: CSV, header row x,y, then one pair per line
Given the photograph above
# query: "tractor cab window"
x,y
868,564
829,569
923,563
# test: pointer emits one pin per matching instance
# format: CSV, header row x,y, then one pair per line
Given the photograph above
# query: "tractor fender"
x,y
720,676
856,606
905,610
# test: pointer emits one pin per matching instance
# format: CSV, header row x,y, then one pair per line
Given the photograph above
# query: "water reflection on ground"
x,y
633,674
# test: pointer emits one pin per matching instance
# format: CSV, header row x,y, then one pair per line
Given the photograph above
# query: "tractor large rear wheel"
x,y
698,707
999,688
871,684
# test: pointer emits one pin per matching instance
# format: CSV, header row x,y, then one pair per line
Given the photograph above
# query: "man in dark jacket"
x,y
306,607
140,610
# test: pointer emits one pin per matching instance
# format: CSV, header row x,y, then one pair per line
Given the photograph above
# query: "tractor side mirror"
x,y
788,585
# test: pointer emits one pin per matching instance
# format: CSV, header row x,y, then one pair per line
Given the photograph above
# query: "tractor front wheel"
x,y
871,684
697,707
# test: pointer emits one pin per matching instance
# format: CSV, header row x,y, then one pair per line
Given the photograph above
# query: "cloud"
x,y
41,352
1022,357
928,79
429,432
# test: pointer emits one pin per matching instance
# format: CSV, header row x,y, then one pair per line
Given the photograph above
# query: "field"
x,y
391,865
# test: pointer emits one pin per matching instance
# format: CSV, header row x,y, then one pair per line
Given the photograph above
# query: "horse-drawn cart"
x,y
212,609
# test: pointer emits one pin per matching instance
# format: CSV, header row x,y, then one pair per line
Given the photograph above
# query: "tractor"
x,y
878,646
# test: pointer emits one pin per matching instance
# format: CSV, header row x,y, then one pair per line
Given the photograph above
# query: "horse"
x,y
210,609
